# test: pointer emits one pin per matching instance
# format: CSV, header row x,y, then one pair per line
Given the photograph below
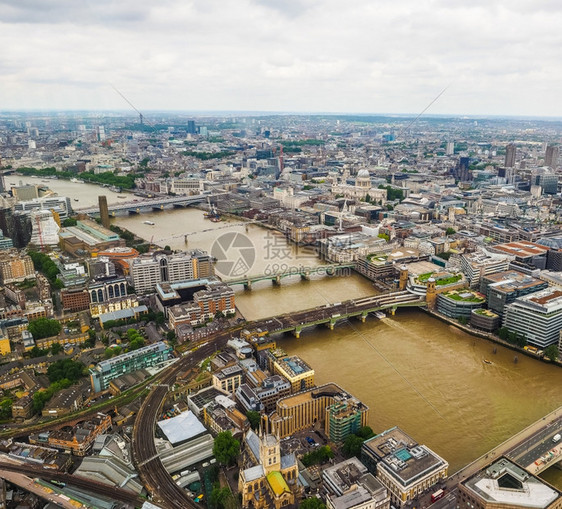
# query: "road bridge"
x,y
153,204
303,272
529,449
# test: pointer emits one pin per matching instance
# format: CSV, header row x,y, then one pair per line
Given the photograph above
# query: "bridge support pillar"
x,y
363,316
248,285
393,310
277,280
297,332
331,323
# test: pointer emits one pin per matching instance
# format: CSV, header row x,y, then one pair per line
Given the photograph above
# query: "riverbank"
x,y
490,337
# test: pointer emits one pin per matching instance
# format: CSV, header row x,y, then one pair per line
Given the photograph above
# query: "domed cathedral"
x,y
267,478
360,189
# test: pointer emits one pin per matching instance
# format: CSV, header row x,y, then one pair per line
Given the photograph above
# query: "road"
x,y
523,448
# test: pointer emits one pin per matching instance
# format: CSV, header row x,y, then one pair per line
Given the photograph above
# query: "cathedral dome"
x,y
363,174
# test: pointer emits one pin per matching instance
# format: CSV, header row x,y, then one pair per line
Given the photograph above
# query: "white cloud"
x,y
307,55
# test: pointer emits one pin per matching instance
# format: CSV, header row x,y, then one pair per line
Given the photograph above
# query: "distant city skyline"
x,y
299,56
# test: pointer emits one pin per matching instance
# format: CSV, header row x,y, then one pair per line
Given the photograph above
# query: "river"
x,y
412,370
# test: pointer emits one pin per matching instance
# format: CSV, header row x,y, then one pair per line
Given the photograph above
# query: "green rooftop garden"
x,y
485,312
440,280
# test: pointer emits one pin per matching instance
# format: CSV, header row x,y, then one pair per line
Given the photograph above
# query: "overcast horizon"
x,y
285,57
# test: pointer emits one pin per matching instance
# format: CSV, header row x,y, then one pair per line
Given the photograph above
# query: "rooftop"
x,y
402,458
294,366
504,482
511,280
464,295
521,249
182,427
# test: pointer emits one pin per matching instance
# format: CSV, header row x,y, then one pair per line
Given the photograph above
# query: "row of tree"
x,y
44,264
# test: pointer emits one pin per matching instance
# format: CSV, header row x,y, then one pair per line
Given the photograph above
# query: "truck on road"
x,y
557,437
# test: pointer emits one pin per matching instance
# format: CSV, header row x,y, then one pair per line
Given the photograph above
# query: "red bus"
x,y
437,495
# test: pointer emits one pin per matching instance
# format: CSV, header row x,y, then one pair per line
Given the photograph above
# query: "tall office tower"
x,y
510,152
104,211
191,129
551,156
101,133
450,148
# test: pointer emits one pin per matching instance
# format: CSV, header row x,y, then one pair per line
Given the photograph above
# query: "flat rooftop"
x,y
521,249
545,301
294,366
504,482
512,280
402,458
330,389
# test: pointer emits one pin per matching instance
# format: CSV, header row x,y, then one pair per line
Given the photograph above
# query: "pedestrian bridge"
x,y
303,272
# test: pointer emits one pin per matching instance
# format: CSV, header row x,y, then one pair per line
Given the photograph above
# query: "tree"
x,y
312,503
352,446
69,221
65,369
503,333
551,352
44,328
56,348
254,418
171,336
136,343
221,498
6,409
384,236
318,456
450,231
365,432
226,448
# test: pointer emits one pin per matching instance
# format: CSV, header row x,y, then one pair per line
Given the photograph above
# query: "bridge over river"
x,y
152,204
331,314
303,272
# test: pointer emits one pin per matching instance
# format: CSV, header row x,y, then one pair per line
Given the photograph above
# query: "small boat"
x,y
75,199
486,361
121,196
380,315
149,222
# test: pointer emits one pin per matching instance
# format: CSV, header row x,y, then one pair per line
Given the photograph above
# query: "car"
x,y
199,497
310,441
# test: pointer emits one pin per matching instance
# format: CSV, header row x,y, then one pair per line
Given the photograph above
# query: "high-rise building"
x,y
510,152
537,317
551,156
104,211
450,148
191,127
147,271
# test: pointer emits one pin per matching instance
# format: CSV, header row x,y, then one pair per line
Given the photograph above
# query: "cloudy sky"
x,y
496,57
